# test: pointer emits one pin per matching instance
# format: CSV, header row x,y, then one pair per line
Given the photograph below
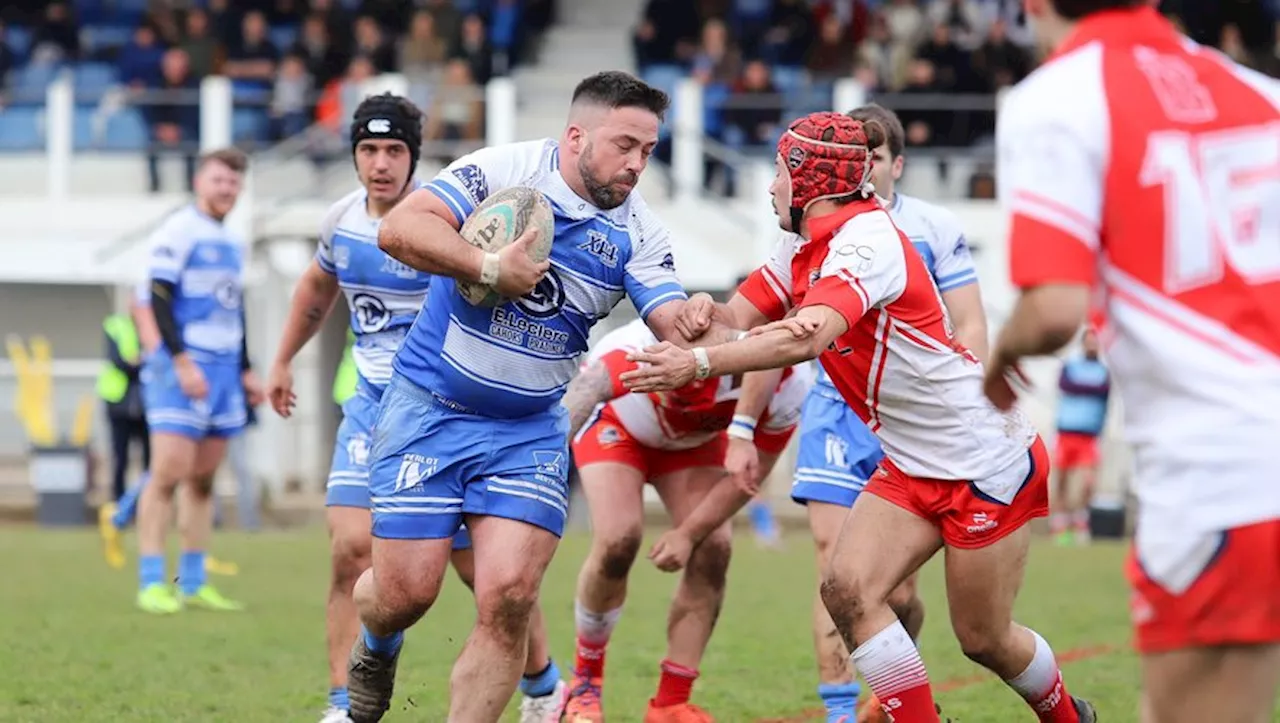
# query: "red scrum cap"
x,y
828,155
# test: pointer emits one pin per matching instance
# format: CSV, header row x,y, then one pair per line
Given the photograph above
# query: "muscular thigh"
x,y
510,556
982,583
880,545
615,498
825,522
349,535
1224,684
681,491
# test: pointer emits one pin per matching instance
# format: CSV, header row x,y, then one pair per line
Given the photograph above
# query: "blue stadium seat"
x,y
82,129
98,38
125,131
283,37
92,80
90,12
249,125
20,129
18,39
29,84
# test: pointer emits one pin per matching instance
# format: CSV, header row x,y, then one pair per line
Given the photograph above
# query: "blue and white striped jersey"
x,y
204,261
383,294
516,359
937,235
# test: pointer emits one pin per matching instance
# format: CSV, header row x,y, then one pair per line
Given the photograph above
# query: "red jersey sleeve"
x,y
864,267
615,362
768,288
1051,165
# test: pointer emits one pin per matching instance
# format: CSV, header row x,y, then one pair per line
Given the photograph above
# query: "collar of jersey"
x,y
822,228
574,206
1137,23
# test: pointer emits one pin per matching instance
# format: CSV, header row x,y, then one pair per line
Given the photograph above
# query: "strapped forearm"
x,y
162,293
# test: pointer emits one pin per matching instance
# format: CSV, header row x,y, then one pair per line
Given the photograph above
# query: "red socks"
x,y
895,673
589,660
675,685
1041,686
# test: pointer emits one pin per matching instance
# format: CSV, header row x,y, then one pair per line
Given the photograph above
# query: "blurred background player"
x,y
837,453
1084,387
384,296
121,391
196,383
968,480
677,442
115,517
1156,179
436,459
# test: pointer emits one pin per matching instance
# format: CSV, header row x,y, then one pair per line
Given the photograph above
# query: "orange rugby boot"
x,y
679,713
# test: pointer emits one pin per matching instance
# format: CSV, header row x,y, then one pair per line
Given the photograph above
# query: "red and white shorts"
x,y
606,440
1075,450
1221,588
971,514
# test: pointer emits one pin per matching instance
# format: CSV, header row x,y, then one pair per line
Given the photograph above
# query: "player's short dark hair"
x,y
616,89
232,158
895,136
1076,9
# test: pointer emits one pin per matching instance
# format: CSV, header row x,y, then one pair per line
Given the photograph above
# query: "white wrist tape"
x,y
743,427
741,335
703,369
489,269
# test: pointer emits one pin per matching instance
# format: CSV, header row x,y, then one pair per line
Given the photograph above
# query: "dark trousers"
x,y
123,431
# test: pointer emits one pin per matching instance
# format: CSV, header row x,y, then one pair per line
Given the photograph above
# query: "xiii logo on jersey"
x,y
227,292
546,298
399,269
599,245
414,470
370,312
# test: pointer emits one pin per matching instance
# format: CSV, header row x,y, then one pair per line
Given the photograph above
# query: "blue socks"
x,y
389,645
762,522
191,574
127,508
540,684
150,570
338,698
839,700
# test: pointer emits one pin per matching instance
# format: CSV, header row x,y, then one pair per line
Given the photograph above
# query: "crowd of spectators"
x,y
938,62
294,64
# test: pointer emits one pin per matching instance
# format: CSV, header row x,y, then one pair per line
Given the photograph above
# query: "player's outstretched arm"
x,y
964,306
701,321
593,386
779,344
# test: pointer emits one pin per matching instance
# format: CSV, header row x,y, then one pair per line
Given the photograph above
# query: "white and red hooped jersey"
x,y
1156,176
693,415
898,366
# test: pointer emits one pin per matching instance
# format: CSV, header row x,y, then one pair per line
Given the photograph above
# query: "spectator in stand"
x,y
751,20
252,57
7,63
174,119
57,38
667,33
386,13
338,23
291,98
874,58
790,33
448,19
333,111
423,52
963,18
832,56
505,35
717,60
999,62
457,111
325,60
955,71
139,59
223,22
753,113
199,43
370,42
473,46
922,126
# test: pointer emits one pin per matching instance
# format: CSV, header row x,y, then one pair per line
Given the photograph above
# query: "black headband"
x,y
388,122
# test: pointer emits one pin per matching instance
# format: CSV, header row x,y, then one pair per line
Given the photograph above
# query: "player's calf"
x,y
602,589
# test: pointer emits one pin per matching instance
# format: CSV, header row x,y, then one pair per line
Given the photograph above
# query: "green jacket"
x,y
344,381
124,355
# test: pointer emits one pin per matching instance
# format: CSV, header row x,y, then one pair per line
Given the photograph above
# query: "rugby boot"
x,y
679,713
547,708
371,681
584,704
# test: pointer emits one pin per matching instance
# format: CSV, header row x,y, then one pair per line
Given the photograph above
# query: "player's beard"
x,y
604,194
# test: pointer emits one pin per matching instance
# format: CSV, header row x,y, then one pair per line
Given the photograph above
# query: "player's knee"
x,y
350,552
978,641
904,599
619,553
201,485
710,561
849,597
505,609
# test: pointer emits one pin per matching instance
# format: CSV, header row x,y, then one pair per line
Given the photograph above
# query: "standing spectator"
x,y
753,110
790,33
473,47
1085,386
954,70
325,59
505,35
717,60
448,19
200,44
457,112
338,23
667,33
423,52
120,389
56,38
139,59
251,57
963,19
924,127
174,119
369,42
291,99
999,62
832,56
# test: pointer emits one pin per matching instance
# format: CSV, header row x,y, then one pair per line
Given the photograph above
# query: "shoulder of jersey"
x,y
634,334
1040,93
936,216
340,206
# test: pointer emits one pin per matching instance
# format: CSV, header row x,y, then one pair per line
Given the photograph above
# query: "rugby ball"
x,y
496,223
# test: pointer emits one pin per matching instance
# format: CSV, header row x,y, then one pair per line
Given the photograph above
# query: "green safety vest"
x,y
113,384
344,381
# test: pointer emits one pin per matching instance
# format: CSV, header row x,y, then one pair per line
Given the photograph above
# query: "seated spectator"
x,y
473,46
955,73
251,57
924,127
832,55
667,33
338,23
962,17
291,98
371,44
7,63
505,35
716,61
423,52
999,62
325,59
874,56
457,110
200,45
754,110
448,19
333,111
57,38
174,117
791,32
139,59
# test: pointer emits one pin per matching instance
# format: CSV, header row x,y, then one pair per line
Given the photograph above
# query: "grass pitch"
x,y
76,650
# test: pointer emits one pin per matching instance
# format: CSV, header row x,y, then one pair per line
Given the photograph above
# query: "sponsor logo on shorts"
x,y
608,436
982,522
837,452
358,449
1140,611
414,470
548,463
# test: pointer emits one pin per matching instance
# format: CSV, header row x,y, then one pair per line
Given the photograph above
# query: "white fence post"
x,y
847,95
500,111
215,113
687,165
60,134
760,174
